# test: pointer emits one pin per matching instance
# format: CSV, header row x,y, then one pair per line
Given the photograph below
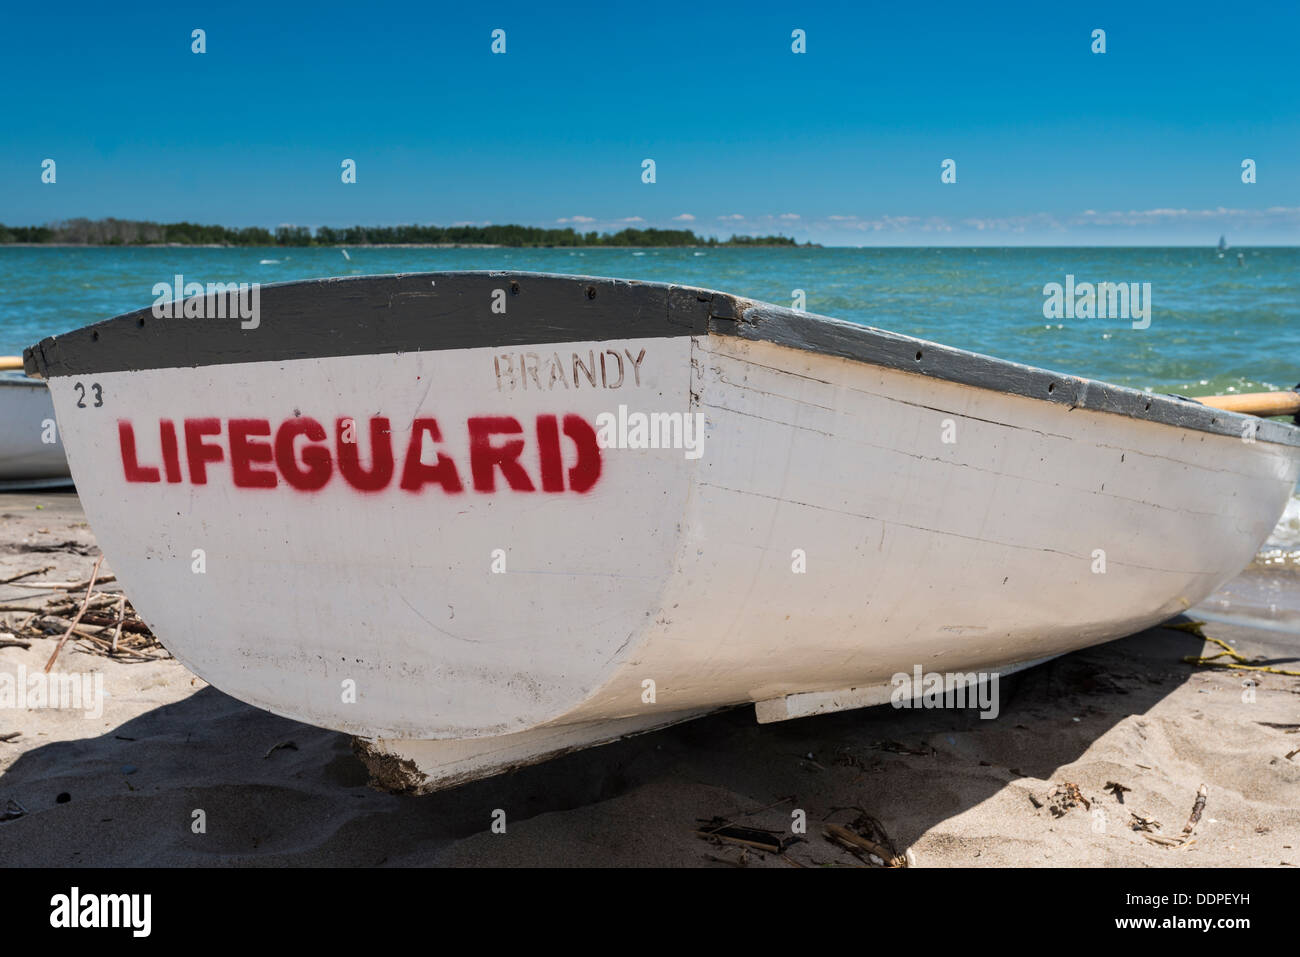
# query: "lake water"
x,y
1216,323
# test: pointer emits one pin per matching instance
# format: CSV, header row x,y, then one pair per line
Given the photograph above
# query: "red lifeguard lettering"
x,y
548,449
316,467
585,472
196,452
171,460
416,473
244,452
485,458
130,465
300,452
381,456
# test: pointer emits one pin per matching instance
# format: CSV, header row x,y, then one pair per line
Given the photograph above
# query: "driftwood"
x,y
877,853
67,634
865,834
117,622
35,571
1186,837
66,586
101,622
117,627
723,830
1201,794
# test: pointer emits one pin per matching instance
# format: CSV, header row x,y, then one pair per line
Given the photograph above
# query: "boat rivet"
x,y
918,355
591,292
1051,387
95,335
140,322
514,288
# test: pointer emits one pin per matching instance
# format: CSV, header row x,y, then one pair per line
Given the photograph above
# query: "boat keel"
x,y
809,703
426,765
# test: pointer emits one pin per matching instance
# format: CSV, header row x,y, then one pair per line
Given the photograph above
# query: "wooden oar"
x,y
10,362
1255,403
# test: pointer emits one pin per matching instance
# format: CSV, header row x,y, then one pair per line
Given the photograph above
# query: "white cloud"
x,y
632,219
734,217
576,219
684,218
1270,216
789,216
1219,217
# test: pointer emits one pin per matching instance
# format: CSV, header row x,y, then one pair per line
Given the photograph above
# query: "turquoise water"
x,y
1215,324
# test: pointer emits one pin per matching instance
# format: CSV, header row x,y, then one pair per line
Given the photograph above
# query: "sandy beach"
x,y
1089,752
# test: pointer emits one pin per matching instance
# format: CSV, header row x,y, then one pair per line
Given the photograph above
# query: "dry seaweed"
x,y
1065,796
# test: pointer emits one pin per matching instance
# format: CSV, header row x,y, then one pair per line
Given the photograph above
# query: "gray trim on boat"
x,y
373,315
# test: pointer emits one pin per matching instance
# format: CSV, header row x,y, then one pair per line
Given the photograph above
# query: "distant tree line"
x,y
129,232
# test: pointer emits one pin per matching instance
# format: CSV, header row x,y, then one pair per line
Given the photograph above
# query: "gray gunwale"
x,y
414,312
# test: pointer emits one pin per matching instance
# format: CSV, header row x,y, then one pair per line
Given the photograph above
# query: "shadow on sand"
x,y
131,795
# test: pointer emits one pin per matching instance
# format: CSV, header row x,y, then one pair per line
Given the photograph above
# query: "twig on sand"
x,y
90,585
34,571
283,744
720,829
1186,837
876,853
1201,794
7,643
768,807
67,586
101,643
10,735
121,615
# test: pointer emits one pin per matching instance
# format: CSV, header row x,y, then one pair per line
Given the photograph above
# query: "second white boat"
x,y
31,449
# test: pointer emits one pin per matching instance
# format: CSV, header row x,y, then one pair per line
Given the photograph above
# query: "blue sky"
x,y
842,145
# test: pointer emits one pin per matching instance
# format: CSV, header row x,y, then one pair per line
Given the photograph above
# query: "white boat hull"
x,y
845,522
31,449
